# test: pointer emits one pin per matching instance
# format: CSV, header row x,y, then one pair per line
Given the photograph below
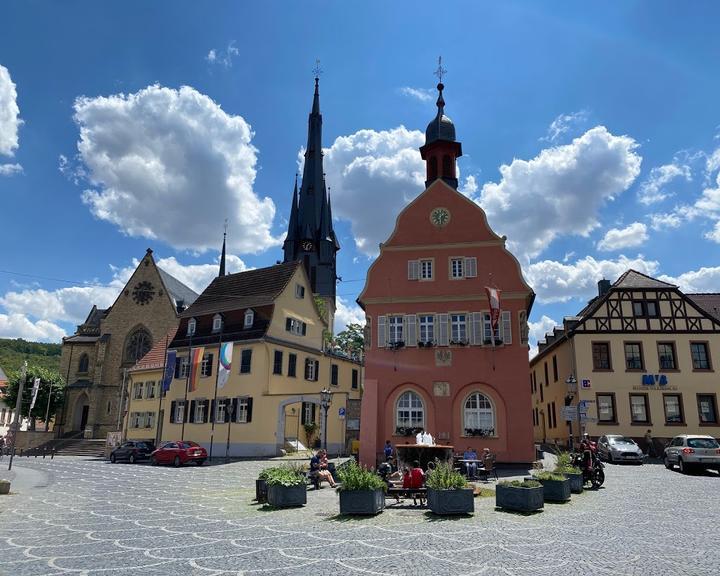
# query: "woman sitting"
x,y
319,467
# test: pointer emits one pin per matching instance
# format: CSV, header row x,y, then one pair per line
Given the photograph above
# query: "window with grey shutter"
x,y
476,335
413,269
442,329
411,330
506,320
382,336
471,267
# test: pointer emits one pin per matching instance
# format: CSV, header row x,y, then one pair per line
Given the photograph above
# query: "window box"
x,y
396,345
426,344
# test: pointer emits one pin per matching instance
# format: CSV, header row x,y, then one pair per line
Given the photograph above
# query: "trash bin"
x,y
539,454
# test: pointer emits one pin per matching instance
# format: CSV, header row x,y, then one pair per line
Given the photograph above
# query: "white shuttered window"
x,y
506,322
442,329
471,267
382,327
411,330
476,336
413,269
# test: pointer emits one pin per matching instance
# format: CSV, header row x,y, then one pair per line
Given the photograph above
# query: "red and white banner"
x,y
493,295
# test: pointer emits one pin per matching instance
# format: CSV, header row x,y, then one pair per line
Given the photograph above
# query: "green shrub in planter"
x,y
261,485
573,473
521,496
448,491
556,488
361,490
286,486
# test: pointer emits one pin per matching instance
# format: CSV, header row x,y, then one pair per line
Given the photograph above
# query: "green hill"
x,y
13,352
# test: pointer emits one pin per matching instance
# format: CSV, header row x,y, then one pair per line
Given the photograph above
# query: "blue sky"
x,y
591,134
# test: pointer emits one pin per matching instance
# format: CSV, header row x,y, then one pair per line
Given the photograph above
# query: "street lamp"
x,y
325,400
229,414
571,391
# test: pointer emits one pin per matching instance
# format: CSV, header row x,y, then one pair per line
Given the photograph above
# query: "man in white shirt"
x,y
419,437
427,439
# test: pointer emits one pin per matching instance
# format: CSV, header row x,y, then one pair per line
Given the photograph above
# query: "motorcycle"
x,y
591,466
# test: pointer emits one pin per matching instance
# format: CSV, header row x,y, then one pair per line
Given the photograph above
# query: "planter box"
x,y
286,496
576,482
519,499
443,502
362,501
556,490
4,487
261,489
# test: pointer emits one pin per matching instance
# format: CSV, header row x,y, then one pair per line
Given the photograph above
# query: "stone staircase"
x,y
76,446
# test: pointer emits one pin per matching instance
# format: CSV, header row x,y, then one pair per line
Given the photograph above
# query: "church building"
x,y
95,359
439,356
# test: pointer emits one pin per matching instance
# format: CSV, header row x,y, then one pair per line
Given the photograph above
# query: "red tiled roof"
x,y
155,359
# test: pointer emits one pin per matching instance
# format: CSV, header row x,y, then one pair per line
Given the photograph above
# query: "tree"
x,y
47,377
351,341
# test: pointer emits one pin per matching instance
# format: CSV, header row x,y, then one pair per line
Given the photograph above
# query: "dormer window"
x,y
217,323
192,325
249,319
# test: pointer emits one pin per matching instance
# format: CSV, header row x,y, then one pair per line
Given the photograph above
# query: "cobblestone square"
x,y
79,516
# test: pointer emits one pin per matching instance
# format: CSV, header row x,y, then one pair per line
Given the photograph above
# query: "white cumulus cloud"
x,y
654,188
18,326
619,238
422,94
172,165
706,279
223,57
555,281
372,176
347,313
560,191
563,124
10,122
537,331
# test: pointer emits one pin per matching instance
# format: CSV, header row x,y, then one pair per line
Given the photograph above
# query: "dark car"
x,y
178,453
132,451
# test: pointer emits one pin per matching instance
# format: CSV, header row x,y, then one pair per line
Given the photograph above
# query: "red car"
x,y
177,453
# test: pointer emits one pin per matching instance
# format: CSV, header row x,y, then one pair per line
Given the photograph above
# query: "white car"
x,y
690,451
618,448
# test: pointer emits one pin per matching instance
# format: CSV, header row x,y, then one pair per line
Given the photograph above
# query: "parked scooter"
x,y
589,462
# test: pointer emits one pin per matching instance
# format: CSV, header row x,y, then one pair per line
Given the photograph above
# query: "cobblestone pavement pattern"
x,y
95,518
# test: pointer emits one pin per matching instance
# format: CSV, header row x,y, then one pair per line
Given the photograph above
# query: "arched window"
x,y
83,364
479,415
409,413
137,345
432,168
448,171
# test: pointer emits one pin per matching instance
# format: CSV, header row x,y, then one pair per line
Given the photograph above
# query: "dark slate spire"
x,y
222,256
292,235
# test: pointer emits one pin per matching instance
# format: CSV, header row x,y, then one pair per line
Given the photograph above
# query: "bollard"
x,y
52,453
44,451
21,452
35,452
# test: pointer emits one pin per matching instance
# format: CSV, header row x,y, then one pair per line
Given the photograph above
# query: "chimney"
x,y
603,287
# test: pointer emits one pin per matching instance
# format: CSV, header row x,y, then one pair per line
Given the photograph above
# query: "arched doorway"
x,y
81,412
283,422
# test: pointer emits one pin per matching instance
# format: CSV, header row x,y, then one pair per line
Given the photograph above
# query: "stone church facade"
x,y
95,359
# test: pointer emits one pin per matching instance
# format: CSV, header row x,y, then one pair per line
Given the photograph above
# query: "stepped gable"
x,y
709,303
156,357
634,279
249,289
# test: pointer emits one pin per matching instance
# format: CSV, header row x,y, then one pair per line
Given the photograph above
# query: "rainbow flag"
x,y
196,356
225,363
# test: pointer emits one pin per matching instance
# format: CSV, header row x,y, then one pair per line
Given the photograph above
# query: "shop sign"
x,y
654,380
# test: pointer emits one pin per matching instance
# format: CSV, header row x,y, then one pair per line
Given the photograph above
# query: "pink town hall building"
x,y
434,357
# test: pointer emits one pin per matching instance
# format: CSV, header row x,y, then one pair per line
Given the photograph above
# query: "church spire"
x,y
222,256
292,235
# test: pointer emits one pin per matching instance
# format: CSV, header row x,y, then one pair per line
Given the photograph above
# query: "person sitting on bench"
x,y
414,478
319,467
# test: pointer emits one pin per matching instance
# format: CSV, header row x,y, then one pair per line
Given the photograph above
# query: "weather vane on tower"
x,y
317,70
440,72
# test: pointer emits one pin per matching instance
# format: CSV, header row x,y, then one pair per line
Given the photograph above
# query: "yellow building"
x,y
271,397
637,357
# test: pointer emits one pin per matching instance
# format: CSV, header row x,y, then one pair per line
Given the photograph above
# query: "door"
x,y
84,417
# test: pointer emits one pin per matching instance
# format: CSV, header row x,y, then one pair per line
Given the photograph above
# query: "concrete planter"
x,y
576,482
4,486
519,499
445,502
261,490
287,496
556,490
362,502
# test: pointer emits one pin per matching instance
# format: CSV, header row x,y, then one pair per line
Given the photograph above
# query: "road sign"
x,y
568,413
585,403
586,418
341,413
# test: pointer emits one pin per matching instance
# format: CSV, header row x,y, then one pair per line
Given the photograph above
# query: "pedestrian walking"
x,y
650,445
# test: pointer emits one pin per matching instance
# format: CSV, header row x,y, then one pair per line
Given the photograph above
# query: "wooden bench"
x,y
414,493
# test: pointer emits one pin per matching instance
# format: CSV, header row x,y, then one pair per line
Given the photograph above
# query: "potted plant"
x,y
573,473
361,490
4,486
310,429
556,488
261,485
286,486
520,495
448,491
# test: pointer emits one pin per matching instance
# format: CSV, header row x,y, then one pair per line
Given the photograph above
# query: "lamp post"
x,y
571,391
325,400
229,412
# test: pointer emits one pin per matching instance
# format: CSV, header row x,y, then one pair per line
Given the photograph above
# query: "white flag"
x,y
36,387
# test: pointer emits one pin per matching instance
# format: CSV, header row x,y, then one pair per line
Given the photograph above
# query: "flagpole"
x,y
158,429
186,409
213,407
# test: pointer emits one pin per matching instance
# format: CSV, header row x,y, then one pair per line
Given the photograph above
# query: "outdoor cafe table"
x,y
480,463
408,453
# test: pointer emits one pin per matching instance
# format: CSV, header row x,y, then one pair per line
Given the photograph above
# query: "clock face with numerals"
x,y
440,217
143,292
307,245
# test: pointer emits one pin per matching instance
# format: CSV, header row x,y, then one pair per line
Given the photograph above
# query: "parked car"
x,y
178,453
690,452
132,451
617,448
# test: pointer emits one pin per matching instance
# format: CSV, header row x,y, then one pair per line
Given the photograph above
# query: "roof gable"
x,y
633,279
